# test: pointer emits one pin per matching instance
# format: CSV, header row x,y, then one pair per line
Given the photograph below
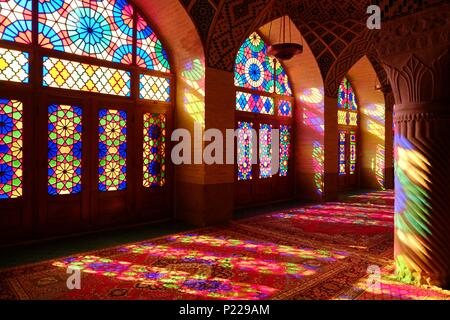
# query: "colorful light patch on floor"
x,y
243,260
258,247
386,288
231,261
213,288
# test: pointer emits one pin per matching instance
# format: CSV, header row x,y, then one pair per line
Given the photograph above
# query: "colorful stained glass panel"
x,y
265,151
253,68
64,149
342,153
285,149
342,117
150,52
284,108
73,75
282,85
343,95
154,88
101,29
352,152
245,150
14,65
352,118
11,144
254,103
15,20
112,150
346,96
154,150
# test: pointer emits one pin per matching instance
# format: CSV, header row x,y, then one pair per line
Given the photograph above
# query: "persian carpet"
x,y
326,251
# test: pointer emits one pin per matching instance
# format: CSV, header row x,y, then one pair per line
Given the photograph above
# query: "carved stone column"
x,y
389,140
415,54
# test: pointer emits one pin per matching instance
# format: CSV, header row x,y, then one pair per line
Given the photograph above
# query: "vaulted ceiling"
x,y
335,30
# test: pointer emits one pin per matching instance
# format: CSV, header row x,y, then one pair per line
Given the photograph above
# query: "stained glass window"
x,y
112,150
15,20
64,149
14,65
346,96
101,29
352,152
284,108
342,153
254,103
352,119
347,119
285,149
245,150
154,88
11,144
254,69
154,150
282,85
342,117
267,83
150,52
265,151
72,75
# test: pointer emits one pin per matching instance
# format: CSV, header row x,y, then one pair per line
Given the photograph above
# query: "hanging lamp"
x,y
284,48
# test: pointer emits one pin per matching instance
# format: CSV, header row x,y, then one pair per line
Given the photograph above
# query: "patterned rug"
x,y
329,251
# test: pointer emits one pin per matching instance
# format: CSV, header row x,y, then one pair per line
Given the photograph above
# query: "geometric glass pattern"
x,y
352,152
150,53
101,29
342,117
347,118
352,118
254,69
342,153
245,150
254,103
154,88
284,108
282,84
64,149
112,150
14,65
285,149
265,151
15,20
72,75
154,150
11,141
346,96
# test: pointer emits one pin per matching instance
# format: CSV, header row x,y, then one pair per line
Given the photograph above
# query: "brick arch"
x,y
360,47
328,26
177,30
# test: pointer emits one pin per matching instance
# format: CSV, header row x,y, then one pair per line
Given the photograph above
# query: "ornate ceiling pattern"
x,y
334,30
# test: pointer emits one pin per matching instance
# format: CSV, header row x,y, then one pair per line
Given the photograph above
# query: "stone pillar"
x,y
331,140
389,142
415,54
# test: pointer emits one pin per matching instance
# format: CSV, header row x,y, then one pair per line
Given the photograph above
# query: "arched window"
x,y
93,142
348,132
264,102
